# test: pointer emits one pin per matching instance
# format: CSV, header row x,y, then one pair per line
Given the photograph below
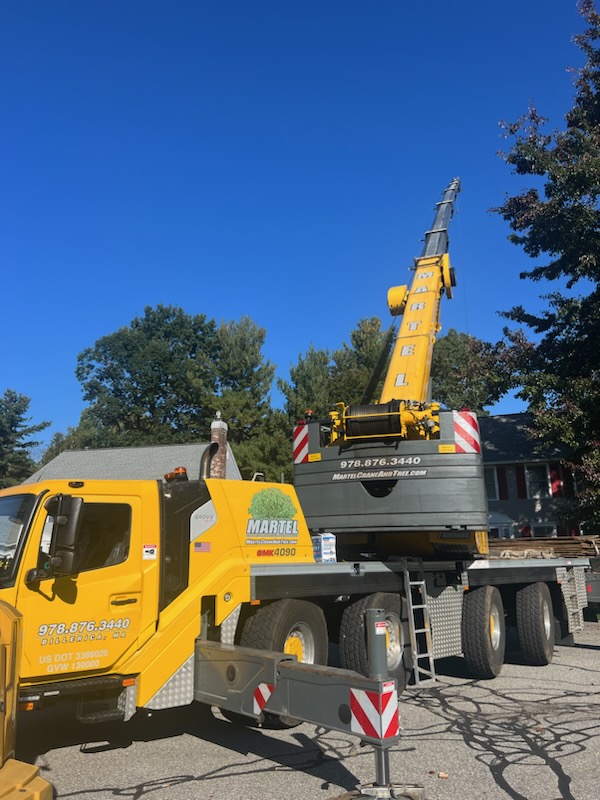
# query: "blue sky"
x,y
275,159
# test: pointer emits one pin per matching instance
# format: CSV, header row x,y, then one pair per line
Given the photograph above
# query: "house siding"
x,y
508,449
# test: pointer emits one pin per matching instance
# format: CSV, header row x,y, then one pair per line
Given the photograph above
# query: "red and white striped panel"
x,y
373,714
300,443
262,693
466,432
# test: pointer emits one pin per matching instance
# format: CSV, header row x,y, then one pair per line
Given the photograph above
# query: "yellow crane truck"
x,y
149,594
120,583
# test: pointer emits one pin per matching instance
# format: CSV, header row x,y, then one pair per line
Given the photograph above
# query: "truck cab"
x,y
116,579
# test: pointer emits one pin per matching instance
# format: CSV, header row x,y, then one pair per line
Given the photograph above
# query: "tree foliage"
x,y
321,379
161,379
88,434
16,461
309,386
268,451
560,369
153,381
355,362
469,373
244,378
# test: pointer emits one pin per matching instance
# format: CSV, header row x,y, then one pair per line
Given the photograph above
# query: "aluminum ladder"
x,y
419,626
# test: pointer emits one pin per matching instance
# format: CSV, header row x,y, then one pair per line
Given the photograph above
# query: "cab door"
x,y
87,621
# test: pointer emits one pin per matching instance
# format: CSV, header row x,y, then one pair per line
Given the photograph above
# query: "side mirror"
x,y
67,512
37,574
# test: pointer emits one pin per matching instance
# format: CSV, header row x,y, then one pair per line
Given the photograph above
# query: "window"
x,y
537,477
491,483
544,531
15,512
104,536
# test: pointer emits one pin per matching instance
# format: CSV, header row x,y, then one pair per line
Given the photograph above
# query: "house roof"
x,y
129,463
504,438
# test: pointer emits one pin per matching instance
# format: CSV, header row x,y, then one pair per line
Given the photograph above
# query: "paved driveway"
x,y
531,734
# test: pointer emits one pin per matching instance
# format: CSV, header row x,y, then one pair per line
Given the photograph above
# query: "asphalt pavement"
x,y
533,733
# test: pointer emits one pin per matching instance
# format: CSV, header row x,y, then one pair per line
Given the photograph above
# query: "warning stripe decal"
x,y
373,714
466,432
261,696
300,444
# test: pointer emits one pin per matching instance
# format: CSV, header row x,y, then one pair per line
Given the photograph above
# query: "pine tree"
x,y
16,462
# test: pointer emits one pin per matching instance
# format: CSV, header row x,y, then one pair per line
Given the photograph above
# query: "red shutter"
x,y
502,483
555,480
521,482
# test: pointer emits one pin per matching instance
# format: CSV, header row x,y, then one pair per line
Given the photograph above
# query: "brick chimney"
x,y
218,434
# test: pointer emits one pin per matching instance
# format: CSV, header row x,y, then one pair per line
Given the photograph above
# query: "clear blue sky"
x,y
275,159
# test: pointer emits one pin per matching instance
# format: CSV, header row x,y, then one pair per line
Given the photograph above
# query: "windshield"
x,y
15,512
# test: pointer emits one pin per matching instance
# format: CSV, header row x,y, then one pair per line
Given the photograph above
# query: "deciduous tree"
x,y
153,381
557,219
467,372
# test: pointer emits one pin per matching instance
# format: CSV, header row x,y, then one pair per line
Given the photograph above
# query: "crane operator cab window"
x,y
103,538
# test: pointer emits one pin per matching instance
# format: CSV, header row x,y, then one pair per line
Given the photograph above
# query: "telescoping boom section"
x,y
404,408
409,370
400,475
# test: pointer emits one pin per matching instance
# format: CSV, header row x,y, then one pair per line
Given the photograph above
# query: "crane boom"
x,y
436,239
405,410
408,374
401,476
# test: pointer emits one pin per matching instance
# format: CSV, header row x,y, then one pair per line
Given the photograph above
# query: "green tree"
x,y
260,443
560,369
309,386
153,381
87,434
244,377
321,379
161,379
269,451
469,373
16,462
355,363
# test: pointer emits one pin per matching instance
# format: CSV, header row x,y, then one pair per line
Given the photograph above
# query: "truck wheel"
x,y
483,631
353,636
295,627
535,623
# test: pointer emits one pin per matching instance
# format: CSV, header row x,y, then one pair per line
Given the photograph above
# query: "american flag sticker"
x,y
201,547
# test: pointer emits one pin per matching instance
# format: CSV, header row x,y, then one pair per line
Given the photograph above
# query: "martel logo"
x,y
272,527
272,512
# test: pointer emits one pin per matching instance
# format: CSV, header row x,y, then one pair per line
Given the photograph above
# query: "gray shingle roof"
x,y
129,463
504,439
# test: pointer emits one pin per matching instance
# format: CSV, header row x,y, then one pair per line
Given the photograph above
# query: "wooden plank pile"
x,y
560,546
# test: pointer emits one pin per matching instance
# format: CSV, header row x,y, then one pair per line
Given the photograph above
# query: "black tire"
x,y
535,623
483,631
295,627
353,637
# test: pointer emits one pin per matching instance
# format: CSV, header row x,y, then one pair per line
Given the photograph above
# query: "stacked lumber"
x,y
560,546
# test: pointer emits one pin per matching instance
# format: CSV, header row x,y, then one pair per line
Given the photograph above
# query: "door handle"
x,y
127,601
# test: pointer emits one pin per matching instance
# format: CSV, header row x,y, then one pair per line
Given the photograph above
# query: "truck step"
x,y
108,715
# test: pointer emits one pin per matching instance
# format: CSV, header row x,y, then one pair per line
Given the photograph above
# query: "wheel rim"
x,y
300,642
393,641
495,632
547,620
